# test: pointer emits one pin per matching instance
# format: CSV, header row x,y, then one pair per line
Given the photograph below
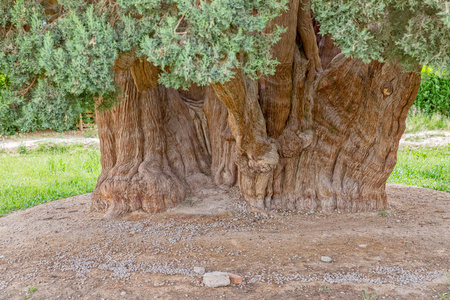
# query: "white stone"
x,y
326,259
362,246
216,279
199,270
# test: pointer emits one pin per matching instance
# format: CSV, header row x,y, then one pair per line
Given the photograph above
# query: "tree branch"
x,y
101,8
247,122
23,92
176,27
308,36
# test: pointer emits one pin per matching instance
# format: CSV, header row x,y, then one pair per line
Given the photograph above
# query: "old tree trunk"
x,y
321,134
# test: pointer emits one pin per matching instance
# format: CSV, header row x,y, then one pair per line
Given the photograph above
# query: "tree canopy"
x,y
65,50
412,32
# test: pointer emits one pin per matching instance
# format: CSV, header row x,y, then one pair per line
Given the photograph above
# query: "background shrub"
x,y
8,111
434,93
44,110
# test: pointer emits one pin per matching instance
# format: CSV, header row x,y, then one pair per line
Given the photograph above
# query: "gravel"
x,y
162,245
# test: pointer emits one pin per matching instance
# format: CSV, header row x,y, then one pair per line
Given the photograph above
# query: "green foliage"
x,y
383,213
434,94
206,49
67,51
427,167
412,32
30,291
366,296
49,173
2,81
48,108
59,58
22,149
7,115
8,110
45,109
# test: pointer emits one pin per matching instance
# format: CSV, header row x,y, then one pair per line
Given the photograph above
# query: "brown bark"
x,y
247,123
321,134
150,151
275,91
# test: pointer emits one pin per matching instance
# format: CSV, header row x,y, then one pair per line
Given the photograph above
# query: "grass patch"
x,y
418,121
427,167
51,172
30,291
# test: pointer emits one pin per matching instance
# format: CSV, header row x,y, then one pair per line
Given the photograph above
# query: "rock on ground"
x,y
216,279
199,270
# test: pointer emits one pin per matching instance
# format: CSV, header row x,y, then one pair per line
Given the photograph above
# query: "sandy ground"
x,y
62,250
425,138
33,140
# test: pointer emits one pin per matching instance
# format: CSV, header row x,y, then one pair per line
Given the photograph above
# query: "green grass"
x,y
51,172
427,167
30,291
417,121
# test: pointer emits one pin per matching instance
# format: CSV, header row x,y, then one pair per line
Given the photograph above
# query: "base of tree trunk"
x,y
330,146
151,154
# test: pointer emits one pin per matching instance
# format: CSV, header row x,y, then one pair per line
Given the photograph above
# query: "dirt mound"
x,y
63,250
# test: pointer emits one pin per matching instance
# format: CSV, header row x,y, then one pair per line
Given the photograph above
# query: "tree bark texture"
x,y
320,134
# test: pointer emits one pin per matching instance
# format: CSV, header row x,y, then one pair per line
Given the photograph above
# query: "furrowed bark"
x,y
359,114
247,123
223,146
308,37
275,91
151,156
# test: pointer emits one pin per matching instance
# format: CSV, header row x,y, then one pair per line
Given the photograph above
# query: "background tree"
x,y
301,108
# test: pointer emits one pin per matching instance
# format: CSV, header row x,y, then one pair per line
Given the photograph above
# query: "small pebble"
x,y
326,259
199,270
235,279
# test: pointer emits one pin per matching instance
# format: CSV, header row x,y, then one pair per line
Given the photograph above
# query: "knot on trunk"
x,y
387,88
265,163
292,143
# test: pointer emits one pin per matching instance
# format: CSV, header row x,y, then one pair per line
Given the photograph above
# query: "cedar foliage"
x,y
60,54
412,32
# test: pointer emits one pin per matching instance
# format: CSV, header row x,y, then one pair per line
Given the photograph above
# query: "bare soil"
x,y
34,139
66,251
426,139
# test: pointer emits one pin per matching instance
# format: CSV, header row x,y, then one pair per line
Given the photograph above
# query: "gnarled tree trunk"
x,y
320,134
